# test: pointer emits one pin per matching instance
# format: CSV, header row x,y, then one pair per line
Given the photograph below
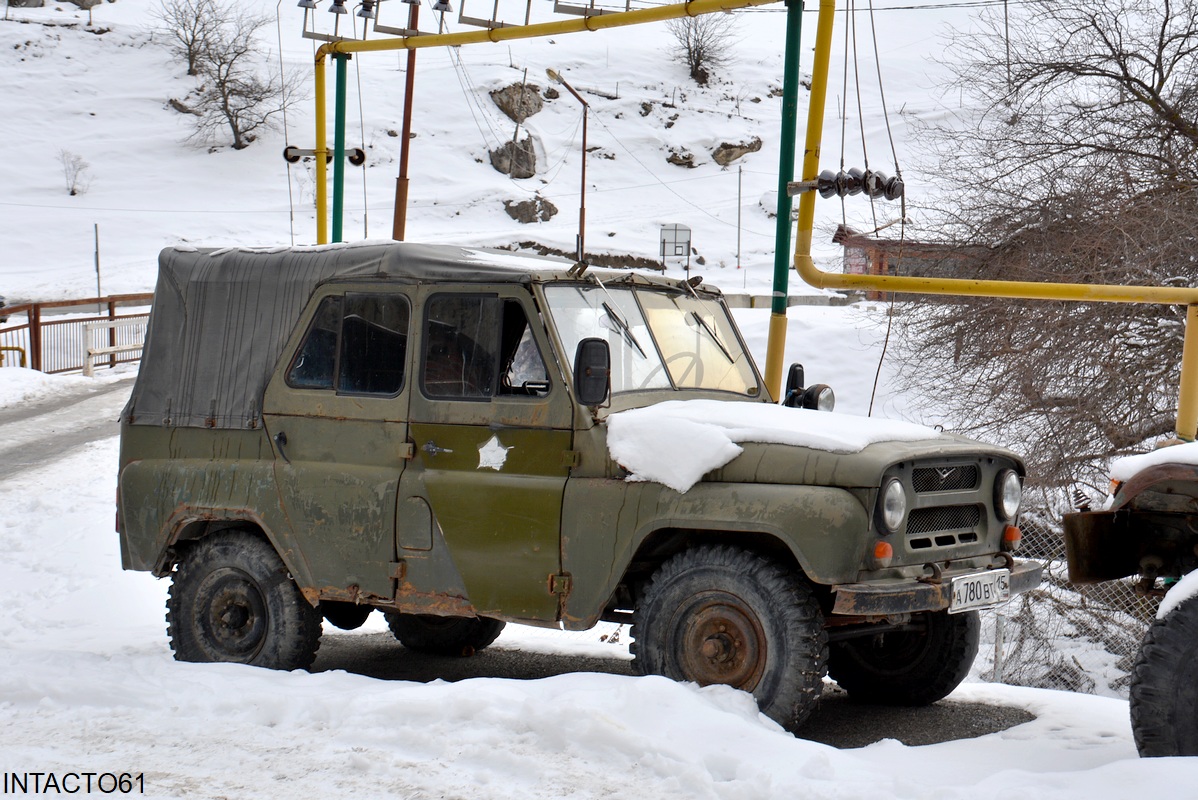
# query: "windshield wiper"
x,y
703,324
623,326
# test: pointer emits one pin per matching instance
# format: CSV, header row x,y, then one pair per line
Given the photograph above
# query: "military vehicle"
x,y
319,432
1149,530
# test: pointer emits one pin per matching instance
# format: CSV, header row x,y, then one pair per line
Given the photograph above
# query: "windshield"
x,y
658,340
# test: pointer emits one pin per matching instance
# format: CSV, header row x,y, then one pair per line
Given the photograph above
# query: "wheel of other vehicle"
x,y
1164,686
231,599
346,616
722,615
908,668
444,636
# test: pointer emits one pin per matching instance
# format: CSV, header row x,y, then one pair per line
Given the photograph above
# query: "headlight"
x,y
892,505
819,397
1008,494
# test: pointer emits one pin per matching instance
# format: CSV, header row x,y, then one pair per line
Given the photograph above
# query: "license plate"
x,y
980,590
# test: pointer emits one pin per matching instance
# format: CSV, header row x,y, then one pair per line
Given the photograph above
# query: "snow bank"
x,y
677,442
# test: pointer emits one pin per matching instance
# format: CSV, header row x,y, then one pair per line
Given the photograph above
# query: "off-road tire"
x,y
1164,686
908,668
722,615
444,636
232,600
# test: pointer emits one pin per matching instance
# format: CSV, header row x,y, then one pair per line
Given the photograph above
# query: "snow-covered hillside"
x,y
102,93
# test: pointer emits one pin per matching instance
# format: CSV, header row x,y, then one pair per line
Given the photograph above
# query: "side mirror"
x,y
592,372
819,397
793,396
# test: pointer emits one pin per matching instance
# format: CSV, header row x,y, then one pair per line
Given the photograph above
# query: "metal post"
x,y
776,343
400,222
1187,401
339,145
582,189
35,336
321,152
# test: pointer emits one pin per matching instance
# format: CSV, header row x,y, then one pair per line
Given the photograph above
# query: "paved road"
x,y
49,429
839,721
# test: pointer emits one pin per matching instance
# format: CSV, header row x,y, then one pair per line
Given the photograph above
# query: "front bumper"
x,y
909,596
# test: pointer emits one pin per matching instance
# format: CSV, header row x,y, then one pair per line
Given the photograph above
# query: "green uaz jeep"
x,y
462,438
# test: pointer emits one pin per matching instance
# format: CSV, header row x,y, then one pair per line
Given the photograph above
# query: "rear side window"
x,y
356,344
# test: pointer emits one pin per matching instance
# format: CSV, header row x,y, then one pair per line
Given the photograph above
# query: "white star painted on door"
x,y
492,455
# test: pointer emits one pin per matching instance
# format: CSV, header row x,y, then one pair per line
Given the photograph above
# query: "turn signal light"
x,y
883,554
1011,538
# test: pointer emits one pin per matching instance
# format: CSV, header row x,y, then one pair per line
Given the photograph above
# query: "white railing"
x,y
133,342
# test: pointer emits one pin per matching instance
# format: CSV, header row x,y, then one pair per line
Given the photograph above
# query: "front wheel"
x,y
909,667
231,599
722,615
1164,686
444,636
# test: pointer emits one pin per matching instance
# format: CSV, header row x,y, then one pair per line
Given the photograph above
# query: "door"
x,y
336,416
491,426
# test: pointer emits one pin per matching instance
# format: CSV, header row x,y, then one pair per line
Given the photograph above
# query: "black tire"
x,y
1164,686
232,600
908,668
444,636
722,615
346,616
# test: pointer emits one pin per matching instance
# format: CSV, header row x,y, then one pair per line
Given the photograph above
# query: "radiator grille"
x,y
944,518
944,479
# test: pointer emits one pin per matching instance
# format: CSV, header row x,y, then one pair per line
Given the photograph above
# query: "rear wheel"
x,y
910,667
444,636
231,599
1164,686
721,615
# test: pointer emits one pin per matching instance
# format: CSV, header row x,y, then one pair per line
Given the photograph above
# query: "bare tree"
x,y
188,24
239,92
74,172
1077,163
703,43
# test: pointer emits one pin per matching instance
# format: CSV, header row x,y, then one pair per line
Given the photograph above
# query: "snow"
x,y
87,681
677,442
1183,590
1124,469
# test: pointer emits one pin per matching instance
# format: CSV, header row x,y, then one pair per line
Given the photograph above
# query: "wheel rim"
x,y
722,643
235,619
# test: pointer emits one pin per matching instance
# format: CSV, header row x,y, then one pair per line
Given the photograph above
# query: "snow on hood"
x,y
677,442
1124,469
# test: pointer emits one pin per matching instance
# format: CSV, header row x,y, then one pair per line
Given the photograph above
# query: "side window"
x,y
374,344
460,356
523,367
316,361
356,344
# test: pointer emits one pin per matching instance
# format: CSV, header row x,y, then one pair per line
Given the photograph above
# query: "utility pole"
x,y
400,221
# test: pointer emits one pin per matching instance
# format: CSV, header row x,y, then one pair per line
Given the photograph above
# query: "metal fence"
x,y
1062,636
51,337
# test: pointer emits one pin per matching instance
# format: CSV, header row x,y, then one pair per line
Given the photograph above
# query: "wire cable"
x,y
286,134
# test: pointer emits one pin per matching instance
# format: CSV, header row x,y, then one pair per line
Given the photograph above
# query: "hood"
x,y
677,442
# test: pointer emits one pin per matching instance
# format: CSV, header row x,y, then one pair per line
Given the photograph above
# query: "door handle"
x,y
431,448
281,441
